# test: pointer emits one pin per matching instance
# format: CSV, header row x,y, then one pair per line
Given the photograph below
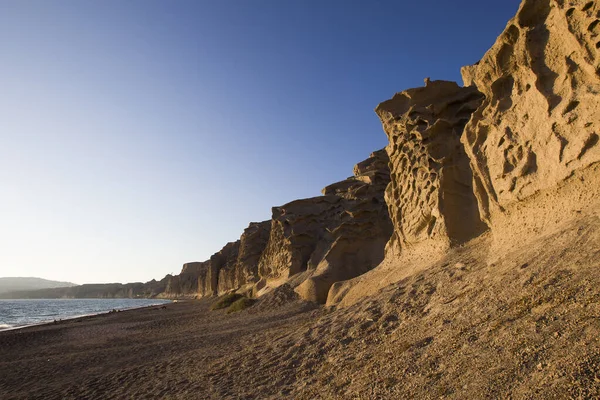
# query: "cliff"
x,y
460,262
509,156
312,243
537,127
513,153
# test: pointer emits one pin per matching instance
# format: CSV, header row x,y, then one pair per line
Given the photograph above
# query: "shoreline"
x,y
147,352
57,321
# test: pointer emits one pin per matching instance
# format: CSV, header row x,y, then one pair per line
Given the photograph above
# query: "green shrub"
x,y
240,305
225,301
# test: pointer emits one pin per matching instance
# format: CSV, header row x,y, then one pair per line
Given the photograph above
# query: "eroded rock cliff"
x,y
538,122
312,242
509,153
234,266
355,242
523,130
333,237
430,196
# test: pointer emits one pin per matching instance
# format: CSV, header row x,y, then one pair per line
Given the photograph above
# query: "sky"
x,y
139,135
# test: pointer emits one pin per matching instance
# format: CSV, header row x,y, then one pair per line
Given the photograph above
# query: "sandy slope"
x,y
526,326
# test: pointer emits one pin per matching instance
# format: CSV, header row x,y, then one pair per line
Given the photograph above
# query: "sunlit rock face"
x,y
539,120
430,196
296,230
186,283
252,244
357,231
332,237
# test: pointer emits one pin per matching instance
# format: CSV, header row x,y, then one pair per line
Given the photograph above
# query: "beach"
x,y
526,326
177,351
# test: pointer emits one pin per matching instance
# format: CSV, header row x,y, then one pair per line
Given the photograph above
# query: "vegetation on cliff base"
x,y
240,305
225,301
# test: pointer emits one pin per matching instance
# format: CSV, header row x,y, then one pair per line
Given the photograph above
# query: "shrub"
x,y
240,305
225,301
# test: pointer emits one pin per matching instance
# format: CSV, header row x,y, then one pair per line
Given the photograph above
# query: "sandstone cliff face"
x,y
538,123
430,196
461,159
524,131
319,241
332,237
296,229
355,242
186,283
252,245
234,266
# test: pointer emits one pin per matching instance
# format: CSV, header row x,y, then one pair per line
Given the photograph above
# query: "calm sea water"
x,y
16,313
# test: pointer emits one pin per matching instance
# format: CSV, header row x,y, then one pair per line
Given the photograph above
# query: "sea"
x,y
20,313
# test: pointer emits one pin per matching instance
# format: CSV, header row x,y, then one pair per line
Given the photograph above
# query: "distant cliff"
x,y
312,242
93,291
18,283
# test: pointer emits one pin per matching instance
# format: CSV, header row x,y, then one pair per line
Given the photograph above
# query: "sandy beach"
x,y
524,327
153,352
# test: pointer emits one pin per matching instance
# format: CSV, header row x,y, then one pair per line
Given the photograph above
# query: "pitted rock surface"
x,y
539,121
430,196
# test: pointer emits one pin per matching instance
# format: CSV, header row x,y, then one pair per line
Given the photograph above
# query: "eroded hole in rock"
x,y
598,45
502,90
533,13
593,25
588,6
512,34
501,141
571,106
530,166
590,142
570,11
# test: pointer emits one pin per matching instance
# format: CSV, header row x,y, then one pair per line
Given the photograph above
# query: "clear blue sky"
x,y
139,135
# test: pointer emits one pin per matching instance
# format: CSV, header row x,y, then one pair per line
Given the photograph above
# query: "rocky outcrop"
x,y
224,268
430,196
186,283
523,130
252,244
332,237
319,241
356,242
538,122
296,229
234,266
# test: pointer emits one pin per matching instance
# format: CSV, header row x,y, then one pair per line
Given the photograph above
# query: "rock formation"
x,y
538,123
523,130
355,242
333,237
234,266
252,244
512,153
317,241
508,152
430,196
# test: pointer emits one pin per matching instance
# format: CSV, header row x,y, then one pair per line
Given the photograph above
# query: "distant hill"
x,y
18,284
91,291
